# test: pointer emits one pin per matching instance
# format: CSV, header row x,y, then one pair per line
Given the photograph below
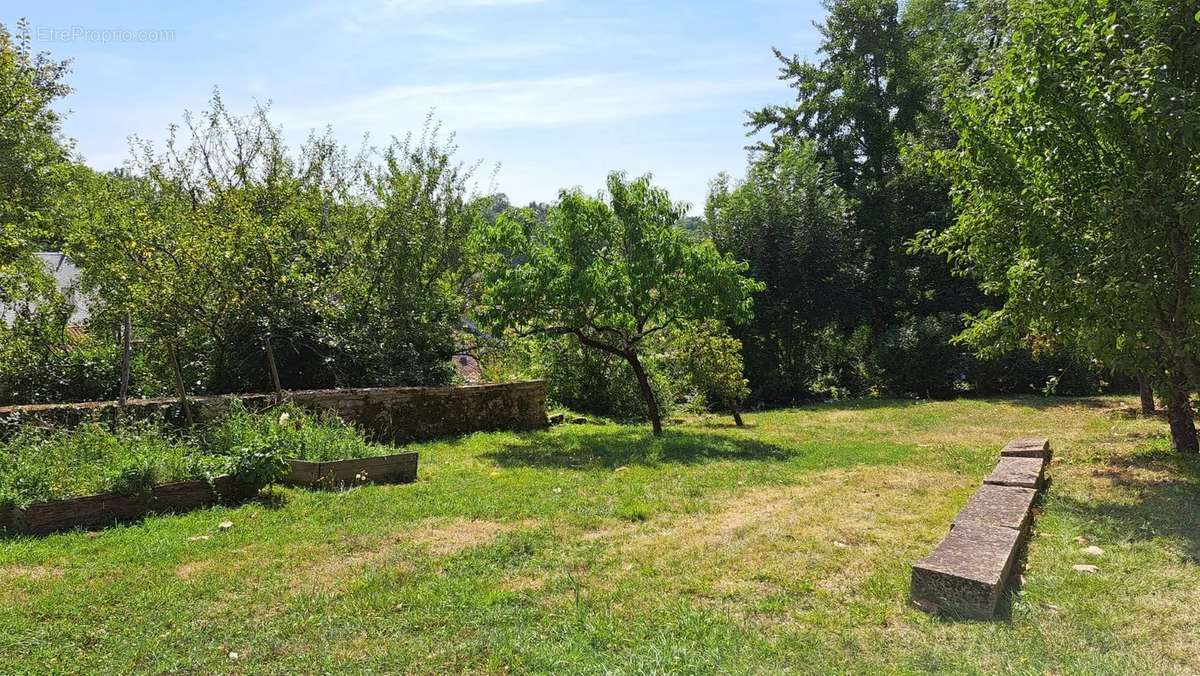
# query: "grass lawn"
x,y
783,546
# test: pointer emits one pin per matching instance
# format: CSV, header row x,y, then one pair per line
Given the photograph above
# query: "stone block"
x,y
1028,447
1019,472
1000,507
965,575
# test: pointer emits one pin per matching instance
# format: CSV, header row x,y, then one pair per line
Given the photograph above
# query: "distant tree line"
x,y
979,196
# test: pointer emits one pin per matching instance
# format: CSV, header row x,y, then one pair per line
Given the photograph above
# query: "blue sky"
x,y
557,92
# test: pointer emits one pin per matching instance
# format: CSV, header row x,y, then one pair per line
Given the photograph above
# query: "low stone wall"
x,y
385,413
966,575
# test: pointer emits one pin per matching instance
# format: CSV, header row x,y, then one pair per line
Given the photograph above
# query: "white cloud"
x,y
530,103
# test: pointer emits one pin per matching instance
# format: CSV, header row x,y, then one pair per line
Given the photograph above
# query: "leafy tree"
x,y
404,292
217,242
611,271
1077,173
33,158
791,223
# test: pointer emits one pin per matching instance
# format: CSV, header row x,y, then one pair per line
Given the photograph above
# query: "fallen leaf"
x,y
225,525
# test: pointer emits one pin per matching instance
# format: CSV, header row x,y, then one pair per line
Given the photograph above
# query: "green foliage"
x,y
1078,179
228,239
594,382
261,441
791,224
708,361
38,465
609,270
32,155
41,361
402,292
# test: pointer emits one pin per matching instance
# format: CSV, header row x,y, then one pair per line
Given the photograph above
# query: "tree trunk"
x,y
274,370
647,392
1146,393
180,390
1179,411
737,416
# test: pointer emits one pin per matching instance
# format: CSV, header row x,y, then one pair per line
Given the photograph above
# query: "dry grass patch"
x,y
30,573
829,533
444,538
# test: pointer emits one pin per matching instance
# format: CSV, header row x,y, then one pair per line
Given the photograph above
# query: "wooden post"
x,y
127,329
274,370
180,390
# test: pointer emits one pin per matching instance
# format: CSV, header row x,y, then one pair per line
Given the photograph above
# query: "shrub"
x,y
259,440
40,465
592,382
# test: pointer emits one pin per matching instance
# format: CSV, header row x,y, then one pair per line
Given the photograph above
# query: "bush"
x,y
916,357
599,384
287,432
39,465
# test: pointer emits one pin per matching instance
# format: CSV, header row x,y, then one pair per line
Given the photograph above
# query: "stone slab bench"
x,y
999,506
1018,471
1028,447
966,574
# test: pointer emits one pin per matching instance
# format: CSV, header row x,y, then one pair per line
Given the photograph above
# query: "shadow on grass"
x,y
1165,487
1043,403
632,446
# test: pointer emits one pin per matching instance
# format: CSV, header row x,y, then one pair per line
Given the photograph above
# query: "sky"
x,y
544,94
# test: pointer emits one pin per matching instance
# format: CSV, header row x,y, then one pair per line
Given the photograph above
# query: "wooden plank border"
x,y
395,468
105,509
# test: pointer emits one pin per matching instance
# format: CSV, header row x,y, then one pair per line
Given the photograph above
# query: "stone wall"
x,y
386,413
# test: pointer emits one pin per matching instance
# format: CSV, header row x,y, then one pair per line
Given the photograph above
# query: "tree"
x,y
870,111
217,242
33,158
791,224
404,294
610,270
1077,176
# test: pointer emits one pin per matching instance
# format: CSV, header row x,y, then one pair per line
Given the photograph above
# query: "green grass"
x,y
783,546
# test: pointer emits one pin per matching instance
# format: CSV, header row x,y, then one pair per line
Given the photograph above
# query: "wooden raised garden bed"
x,y
106,509
398,468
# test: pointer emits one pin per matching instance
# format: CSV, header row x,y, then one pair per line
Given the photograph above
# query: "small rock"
x,y
233,655
1081,541
1085,568
579,421
1093,551
557,419
225,525
198,538
839,543
925,606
